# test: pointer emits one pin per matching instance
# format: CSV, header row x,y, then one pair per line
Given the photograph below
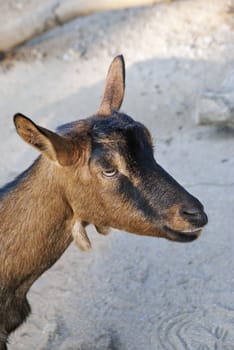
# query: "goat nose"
x,y
195,215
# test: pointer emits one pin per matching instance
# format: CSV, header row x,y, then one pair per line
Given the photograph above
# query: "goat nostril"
x,y
195,215
191,211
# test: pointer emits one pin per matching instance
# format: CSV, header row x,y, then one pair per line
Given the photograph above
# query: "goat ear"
x,y
114,87
54,146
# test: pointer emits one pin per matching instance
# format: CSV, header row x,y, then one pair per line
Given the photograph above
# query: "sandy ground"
x,y
130,292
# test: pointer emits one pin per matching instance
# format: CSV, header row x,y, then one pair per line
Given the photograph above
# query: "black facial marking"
x,y
136,197
137,143
122,134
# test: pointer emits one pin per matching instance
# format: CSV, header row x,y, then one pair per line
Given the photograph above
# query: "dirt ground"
x,y
131,292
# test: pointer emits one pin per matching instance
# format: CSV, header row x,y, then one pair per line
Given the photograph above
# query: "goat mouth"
x,y
182,236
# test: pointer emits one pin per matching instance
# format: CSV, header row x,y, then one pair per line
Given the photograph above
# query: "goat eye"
x,y
110,172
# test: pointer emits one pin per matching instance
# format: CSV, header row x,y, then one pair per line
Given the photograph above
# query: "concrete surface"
x,y
131,292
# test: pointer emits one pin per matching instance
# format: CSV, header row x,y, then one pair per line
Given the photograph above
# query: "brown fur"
x,y
97,171
175,220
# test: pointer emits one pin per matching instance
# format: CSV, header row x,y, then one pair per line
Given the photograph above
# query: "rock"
x,y
22,20
217,107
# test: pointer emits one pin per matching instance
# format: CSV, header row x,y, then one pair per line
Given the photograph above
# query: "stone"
x,y
217,107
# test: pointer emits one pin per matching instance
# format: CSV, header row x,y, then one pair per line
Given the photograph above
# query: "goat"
x,y
101,171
